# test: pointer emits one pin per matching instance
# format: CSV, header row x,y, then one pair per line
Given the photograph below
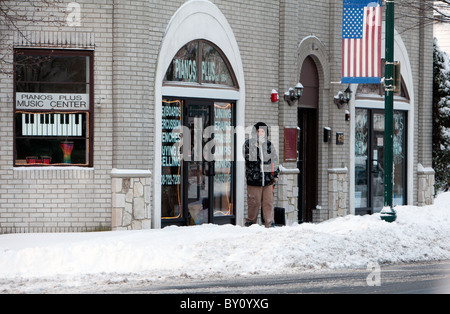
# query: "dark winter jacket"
x,y
259,174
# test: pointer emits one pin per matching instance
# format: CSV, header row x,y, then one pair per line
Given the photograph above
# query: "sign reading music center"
x,y
49,101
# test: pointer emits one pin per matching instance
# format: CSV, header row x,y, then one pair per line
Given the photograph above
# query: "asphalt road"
x,y
420,278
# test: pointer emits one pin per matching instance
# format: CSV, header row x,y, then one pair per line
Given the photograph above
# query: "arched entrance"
x,y
308,146
198,147
200,83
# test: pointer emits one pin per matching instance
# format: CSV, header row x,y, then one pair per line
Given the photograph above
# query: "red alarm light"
x,y
274,97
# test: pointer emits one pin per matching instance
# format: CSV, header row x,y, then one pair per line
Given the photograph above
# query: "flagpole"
x,y
388,213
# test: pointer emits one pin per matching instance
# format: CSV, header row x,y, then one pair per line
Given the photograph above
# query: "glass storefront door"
x,y
198,171
203,136
369,160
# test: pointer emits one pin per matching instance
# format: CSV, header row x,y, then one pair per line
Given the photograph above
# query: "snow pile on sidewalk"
x,y
209,251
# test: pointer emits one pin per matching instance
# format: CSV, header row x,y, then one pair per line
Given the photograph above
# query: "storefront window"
x,y
223,179
361,159
53,115
399,158
172,164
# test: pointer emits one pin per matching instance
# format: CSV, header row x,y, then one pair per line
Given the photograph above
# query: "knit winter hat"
x,y
262,125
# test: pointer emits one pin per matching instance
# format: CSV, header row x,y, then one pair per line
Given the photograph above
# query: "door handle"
x,y
209,168
375,161
374,165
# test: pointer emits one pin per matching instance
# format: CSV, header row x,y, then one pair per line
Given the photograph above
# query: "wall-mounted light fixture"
x,y
294,94
343,98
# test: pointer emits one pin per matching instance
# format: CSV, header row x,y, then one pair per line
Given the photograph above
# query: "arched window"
x,y
200,62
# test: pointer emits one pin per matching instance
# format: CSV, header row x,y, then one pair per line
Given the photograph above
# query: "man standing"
x,y
261,170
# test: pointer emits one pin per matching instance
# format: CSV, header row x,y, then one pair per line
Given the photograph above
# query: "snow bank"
x,y
419,234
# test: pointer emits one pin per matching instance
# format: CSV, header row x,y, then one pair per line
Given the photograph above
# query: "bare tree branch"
x,y
439,10
16,16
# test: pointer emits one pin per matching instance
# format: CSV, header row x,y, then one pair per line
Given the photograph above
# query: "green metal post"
x,y
388,213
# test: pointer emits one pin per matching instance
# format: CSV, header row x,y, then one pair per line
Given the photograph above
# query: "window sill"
x,y
49,172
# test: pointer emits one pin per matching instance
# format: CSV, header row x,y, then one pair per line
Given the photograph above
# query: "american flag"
x,y
361,41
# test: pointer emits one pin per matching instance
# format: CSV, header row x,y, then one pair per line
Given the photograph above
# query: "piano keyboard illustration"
x,y
52,124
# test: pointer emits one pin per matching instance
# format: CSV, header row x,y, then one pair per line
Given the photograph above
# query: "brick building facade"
x,y
116,178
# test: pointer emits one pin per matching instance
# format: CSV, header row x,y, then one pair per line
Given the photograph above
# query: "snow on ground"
x,y
54,262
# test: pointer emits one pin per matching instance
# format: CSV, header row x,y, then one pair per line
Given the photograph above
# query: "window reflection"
x,y
214,68
361,159
223,187
369,159
48,68
171,160
184,67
